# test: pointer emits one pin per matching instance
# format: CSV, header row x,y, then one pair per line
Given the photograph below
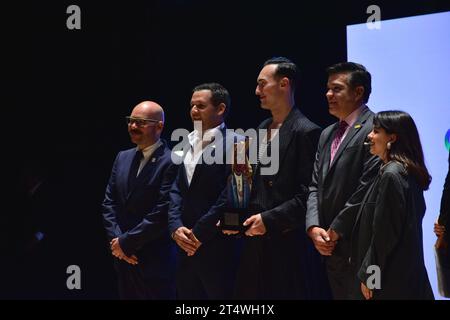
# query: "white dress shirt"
x,y
196,150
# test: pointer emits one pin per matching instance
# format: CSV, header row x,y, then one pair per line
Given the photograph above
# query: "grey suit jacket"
x,y
343,184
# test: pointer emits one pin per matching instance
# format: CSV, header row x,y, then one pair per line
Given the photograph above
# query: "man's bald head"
x,y
149,110
143,131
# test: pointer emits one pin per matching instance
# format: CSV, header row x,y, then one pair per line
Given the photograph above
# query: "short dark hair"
x,y
359,76
407,149
218,95
285,68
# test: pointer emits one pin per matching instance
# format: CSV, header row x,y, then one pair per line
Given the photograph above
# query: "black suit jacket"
x,y
138,217
285,205
273,265
343,184
388,234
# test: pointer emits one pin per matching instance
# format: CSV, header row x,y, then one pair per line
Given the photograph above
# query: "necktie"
x,y
337,138
132,176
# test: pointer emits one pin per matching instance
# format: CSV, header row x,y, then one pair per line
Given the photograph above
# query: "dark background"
x,y
67,92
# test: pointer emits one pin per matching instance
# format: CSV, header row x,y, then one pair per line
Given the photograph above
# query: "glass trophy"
x,y
239,186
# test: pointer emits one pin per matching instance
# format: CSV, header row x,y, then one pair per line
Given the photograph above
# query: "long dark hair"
x,y
407,149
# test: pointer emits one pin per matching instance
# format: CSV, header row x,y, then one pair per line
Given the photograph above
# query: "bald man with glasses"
x,y
135,209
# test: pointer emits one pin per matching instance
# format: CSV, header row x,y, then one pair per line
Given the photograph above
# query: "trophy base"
x,y
233,219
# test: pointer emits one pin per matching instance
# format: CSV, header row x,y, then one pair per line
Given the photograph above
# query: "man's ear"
x,y
359,91
221,109
284,82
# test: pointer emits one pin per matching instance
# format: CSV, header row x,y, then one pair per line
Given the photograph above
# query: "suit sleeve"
x,y
312,212
344,221
176,203
205,228
291,213
154,224
388,222
109,206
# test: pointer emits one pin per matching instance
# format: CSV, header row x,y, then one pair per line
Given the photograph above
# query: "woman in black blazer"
x,y
387,246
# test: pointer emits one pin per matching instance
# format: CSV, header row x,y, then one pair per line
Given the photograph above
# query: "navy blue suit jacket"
x,y
198,206
138,217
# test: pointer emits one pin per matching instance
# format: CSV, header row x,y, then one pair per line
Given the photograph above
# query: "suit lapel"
x,y
197,172
284,136
364,201
327,152
359,123
286,132
148,169
210,149
184,177
350,134
185,149
124,172
264,125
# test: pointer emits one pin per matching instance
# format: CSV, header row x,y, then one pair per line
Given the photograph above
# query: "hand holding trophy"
x,y
239,188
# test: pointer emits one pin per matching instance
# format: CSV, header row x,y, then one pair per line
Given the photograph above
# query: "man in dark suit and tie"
x,y
206,258
135,209
342,169
273,260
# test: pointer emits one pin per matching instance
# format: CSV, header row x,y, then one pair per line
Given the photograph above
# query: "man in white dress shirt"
x,y
206,259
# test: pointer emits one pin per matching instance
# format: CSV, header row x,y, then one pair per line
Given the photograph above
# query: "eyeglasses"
x,y
140,122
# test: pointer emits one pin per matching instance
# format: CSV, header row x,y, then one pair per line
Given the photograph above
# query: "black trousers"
x,y
192,283
134,285
339,276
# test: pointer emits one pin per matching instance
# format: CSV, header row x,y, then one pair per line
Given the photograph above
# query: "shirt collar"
x,y
208,135
148,151
352,117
